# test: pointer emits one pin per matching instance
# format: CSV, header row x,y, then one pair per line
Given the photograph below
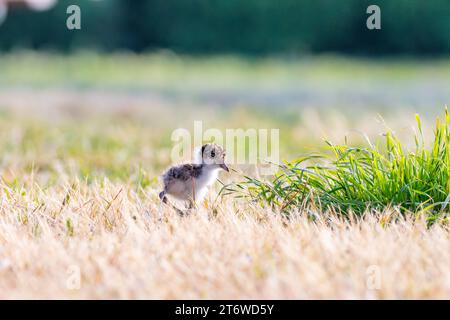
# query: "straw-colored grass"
x,y
125,246
83,139
83,198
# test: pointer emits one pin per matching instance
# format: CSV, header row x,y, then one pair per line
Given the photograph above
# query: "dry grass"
x,y
127,246
73,196
80,153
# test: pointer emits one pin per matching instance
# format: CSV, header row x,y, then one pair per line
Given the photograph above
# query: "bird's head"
x,y
213,155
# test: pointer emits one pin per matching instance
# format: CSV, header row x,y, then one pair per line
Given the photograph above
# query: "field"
x,y
84,138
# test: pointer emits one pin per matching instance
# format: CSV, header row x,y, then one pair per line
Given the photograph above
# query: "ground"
x,y
84,138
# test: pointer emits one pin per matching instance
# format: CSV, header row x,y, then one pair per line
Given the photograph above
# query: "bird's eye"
x,y
213,154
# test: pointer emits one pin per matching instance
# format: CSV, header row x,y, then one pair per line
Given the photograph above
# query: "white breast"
x,y
206,179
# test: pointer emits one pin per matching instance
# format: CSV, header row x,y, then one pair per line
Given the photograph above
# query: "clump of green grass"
x,y
358,179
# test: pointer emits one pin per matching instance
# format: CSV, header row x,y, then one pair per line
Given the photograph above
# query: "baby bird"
x,y
190,182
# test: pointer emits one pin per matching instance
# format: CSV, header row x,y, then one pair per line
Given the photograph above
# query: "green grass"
x,y
363,178
172,73
170,91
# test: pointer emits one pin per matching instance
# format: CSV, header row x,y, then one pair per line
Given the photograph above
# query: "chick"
x,y
190,182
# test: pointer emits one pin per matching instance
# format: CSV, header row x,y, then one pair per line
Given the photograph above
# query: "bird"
x,y
190,182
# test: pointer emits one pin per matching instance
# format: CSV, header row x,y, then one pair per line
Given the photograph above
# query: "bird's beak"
x,y
224,167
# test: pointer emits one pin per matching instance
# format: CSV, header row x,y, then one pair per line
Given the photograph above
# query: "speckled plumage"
x,y
182,172
190,182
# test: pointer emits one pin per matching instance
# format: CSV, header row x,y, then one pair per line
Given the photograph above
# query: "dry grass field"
x,y
84,139
125,246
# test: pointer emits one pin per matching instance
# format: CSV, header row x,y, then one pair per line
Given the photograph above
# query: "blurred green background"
x,y
104,100
253,27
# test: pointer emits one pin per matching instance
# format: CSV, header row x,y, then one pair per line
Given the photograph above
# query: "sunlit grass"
x,y
357,179
168,71
85,137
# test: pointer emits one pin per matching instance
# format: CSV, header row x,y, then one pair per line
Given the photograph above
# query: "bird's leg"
x,y
179,211
162,196
191,202
193,193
